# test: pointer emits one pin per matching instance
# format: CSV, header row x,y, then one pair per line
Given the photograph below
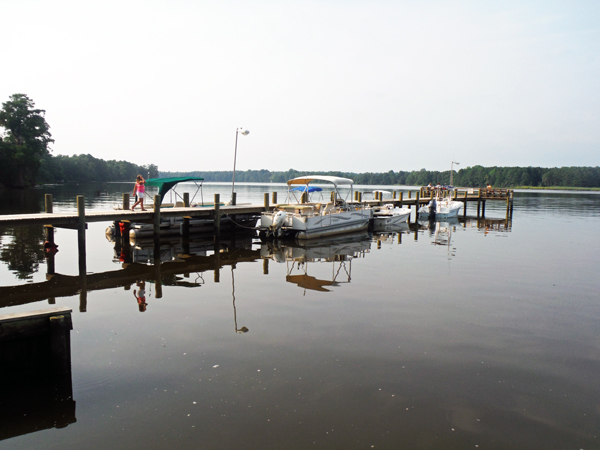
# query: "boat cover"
x,y
310,189
308,178
165,184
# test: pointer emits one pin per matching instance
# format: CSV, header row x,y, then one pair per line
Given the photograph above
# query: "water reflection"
x,y
299,256
169,264
22,250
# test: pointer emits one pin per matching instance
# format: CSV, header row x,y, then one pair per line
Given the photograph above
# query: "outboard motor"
x,y
278,221
432,209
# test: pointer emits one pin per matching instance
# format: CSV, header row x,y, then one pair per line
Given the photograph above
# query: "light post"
x,y
245,133
451,173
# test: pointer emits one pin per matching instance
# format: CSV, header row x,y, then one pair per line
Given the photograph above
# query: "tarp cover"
x,y
165,184
310,189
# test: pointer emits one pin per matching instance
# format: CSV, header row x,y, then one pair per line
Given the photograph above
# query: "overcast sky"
x,y
350,85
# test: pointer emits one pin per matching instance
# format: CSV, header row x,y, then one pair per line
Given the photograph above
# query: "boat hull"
x,y
317,226
440,210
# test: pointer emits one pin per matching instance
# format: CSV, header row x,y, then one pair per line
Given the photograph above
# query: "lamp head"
x,y
245,132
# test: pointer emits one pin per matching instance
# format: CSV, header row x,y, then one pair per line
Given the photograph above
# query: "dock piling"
x,y
217,218
81,234
156,216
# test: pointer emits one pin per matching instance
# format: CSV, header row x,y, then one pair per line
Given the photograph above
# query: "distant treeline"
x,y
56,169
476,176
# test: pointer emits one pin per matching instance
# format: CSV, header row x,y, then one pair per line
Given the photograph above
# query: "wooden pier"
x,y
125,216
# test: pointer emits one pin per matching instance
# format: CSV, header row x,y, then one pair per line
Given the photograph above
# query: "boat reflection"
x,y
391,233
339,251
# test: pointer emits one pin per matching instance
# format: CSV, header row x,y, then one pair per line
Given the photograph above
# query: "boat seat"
x,y
328,207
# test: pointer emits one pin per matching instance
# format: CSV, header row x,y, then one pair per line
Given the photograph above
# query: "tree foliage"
x,y
24,141
55,169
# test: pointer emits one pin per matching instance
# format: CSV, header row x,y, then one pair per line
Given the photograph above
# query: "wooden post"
x,y
512,202
393,195
274,198
49,234
217,217
234,198
465,205
48,203
408,196
360,197
455,194
156,261
217,267
186,228
186,199
125,202
400,197
483,209
266,201
266,266
507,204
332,196
478,202
417,207
156,216
81,234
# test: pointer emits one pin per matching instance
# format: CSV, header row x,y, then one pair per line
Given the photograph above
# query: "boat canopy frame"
x,y
168,184
306,180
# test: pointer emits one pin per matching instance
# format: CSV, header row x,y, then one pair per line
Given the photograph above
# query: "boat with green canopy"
x,y
174,225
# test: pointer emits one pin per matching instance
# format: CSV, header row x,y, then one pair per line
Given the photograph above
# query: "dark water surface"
x,y
466,335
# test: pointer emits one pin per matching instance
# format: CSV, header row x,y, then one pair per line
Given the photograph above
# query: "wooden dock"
x,y
125,216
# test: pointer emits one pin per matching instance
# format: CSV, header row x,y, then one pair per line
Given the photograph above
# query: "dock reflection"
x,y
168,263
298,256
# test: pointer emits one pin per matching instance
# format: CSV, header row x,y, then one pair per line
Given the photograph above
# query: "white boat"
x,y
388,216
314,220
440,208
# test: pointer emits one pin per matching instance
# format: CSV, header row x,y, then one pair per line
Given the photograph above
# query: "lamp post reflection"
x,y
242,329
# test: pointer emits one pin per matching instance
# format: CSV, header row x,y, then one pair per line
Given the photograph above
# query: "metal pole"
x,y
234,158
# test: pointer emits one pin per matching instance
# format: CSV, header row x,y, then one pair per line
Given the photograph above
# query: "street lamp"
x,y
245,133
451,173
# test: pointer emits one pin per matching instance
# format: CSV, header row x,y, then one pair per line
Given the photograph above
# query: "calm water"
x,y
465,335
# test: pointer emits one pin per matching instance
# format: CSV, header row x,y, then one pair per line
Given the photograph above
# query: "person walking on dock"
x,y
139,190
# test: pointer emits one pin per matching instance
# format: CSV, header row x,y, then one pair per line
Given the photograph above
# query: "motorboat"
x,y
307,219
389,216
440,207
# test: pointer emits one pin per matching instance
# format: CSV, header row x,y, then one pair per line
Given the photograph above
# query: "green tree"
x,y
24,142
